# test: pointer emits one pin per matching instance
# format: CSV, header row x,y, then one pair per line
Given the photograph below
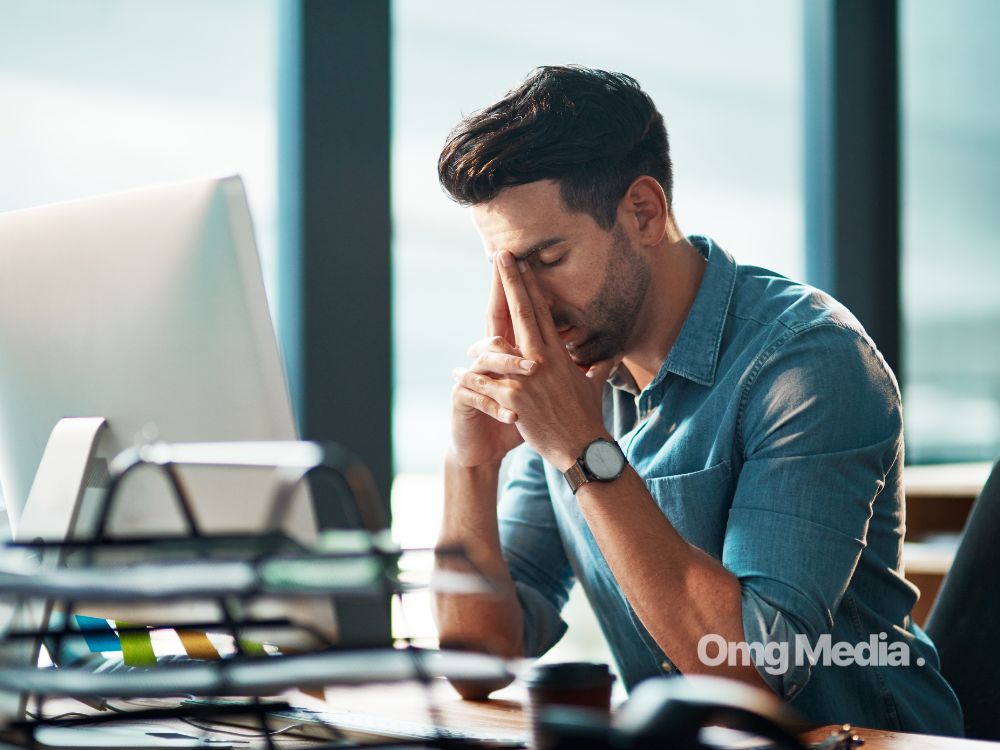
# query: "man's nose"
x,y
547,294
551,302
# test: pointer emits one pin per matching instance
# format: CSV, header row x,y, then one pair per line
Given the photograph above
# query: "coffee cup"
x,y
583,685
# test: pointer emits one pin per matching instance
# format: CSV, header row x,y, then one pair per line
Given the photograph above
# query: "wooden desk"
x,y
878,739
504,713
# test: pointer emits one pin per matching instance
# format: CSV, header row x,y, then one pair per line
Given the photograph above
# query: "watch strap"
x,y
576,476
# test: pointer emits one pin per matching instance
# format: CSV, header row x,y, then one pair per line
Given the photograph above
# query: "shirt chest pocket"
x,y
697,504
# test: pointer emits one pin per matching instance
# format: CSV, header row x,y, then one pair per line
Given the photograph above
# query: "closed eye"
x,y
550,263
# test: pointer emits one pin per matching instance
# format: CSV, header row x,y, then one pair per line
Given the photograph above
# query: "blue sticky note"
x,y
98,633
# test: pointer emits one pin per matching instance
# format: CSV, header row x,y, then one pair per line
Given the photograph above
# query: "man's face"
x,y
593,279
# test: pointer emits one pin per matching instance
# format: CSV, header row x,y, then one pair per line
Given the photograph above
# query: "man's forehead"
x,y
522,219
525,253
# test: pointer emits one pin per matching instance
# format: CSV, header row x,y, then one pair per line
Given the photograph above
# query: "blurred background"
x,y
102,95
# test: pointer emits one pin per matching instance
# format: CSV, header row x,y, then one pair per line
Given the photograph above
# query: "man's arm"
x,y
678,591
820,431
482,433
487,623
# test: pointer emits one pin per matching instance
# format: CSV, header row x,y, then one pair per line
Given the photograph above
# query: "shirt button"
x,y
667,667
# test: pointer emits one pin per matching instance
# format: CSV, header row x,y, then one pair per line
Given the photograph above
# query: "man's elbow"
x,y
479,690
502,646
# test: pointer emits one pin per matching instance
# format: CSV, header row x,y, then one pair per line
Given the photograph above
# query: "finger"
x,y
522,312
492,344
472,400
502,364
599,372
543,315
497,313
479,382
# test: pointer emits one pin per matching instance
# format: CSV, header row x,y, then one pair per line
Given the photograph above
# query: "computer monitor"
x,y
146,308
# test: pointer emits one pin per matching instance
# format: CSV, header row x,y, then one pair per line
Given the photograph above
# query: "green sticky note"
x,y
137,647
252,648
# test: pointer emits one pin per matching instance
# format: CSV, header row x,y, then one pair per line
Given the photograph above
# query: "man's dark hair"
x,y
592,131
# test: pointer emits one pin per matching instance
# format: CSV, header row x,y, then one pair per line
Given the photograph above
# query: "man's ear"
x,y
644,210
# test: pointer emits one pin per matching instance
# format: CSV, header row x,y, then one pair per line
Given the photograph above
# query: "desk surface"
x,y
878,739
504,713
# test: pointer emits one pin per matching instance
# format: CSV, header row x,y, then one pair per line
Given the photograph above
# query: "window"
x,y
104,95
950,265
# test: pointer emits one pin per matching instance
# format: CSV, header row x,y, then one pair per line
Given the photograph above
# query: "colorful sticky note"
x,y
137,646
98,634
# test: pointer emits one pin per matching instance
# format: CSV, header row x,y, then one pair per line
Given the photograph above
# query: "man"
x,y
713,451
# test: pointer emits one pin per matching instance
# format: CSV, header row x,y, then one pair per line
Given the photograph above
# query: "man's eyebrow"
x,y
537,248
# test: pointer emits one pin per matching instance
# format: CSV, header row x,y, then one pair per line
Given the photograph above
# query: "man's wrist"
x,y
470,501
452,461
565,459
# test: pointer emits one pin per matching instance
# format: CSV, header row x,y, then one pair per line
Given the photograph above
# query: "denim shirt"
x,y
771,438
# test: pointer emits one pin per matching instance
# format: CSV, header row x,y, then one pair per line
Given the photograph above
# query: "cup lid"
x,y
569,675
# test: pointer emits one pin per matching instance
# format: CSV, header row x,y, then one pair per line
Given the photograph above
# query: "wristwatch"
x,y
602,461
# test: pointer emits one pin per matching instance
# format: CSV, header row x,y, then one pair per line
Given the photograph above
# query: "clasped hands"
x,y
522,384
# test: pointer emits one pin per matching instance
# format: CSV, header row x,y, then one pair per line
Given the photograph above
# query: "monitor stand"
x,y
67,470
50,515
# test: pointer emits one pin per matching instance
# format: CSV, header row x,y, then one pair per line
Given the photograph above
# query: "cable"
x,y
209,726
40,717
212,728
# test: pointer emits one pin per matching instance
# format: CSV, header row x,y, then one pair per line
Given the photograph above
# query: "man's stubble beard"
x,y
610,318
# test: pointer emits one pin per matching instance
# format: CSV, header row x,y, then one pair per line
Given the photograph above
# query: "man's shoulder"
x,y
780,323
803,361
767,299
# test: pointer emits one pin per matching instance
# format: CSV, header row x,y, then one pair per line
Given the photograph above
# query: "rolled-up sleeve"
x,y
821,426
533,550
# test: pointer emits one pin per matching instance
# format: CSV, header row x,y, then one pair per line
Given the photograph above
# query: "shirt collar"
x,y
695,353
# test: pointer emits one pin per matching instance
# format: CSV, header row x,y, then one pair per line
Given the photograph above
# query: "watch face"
x,y
604,460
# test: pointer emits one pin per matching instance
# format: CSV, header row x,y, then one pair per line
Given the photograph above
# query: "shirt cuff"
x,y
765,624
543,627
